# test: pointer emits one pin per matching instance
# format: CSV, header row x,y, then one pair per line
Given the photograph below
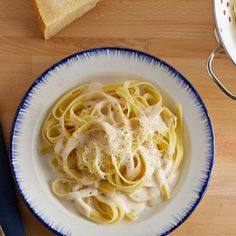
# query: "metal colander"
x,y
225,33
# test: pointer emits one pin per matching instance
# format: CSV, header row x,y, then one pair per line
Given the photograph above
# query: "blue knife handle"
x,y
10,219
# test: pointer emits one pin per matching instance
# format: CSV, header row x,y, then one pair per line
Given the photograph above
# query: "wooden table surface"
x,y
180,32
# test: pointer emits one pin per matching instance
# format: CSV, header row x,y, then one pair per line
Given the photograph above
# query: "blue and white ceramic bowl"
x,y
33,175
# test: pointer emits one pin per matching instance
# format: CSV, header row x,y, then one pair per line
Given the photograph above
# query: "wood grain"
x,y
180,32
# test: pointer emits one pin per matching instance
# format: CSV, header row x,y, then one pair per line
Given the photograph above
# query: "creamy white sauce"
x,y
173,179
88,192
168,165
141,195
127,204
155,197
154,119
118,142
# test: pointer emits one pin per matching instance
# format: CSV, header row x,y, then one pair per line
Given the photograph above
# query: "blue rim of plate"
x,y
147,57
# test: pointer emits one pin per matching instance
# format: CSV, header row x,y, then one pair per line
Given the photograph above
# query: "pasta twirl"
x,y
115,149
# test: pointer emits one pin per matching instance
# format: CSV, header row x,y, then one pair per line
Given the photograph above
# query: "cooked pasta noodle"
x,y
115,149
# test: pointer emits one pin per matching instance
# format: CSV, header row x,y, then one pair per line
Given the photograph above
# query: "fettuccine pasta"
x,y
115,148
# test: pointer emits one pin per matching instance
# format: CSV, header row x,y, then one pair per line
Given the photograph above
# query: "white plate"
x,y
33,175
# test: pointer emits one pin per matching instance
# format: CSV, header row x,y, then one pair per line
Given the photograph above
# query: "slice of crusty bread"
x,y
54,15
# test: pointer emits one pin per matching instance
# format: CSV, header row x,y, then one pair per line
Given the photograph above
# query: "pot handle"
x,y
212,74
